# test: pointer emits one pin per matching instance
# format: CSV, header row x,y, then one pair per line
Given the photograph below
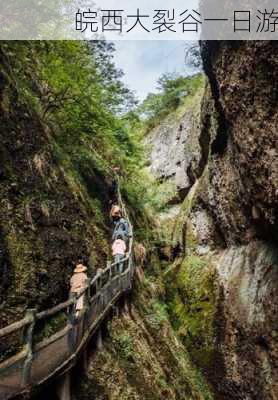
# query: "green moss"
x,y
124,345
20,253
157,314
191,305
143,358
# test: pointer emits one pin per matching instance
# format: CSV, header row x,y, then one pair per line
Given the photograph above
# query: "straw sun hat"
x,y
80,268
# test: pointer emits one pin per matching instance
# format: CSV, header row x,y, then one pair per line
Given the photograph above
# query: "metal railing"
x,y
38,362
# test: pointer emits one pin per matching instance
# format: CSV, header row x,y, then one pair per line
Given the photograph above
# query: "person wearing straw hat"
x,y
78,282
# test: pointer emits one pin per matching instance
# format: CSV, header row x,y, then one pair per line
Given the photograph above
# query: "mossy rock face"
x,y
54,213
143,358
192,302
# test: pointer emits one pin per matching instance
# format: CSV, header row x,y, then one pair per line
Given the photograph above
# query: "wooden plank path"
x,y
37,363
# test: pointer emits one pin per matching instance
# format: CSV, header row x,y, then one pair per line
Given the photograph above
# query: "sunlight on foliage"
x,y
173,91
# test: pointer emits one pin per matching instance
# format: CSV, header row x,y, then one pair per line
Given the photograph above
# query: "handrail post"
x,y
86,305
110,270
71,322
131,271
99,273
99,340
28,339
126,306
98,286
87,295
71,311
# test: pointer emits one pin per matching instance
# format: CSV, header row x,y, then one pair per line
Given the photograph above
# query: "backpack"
x,y
121,228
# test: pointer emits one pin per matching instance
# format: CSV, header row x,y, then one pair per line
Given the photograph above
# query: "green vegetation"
x,y
92,118
66,119
92,123
124,345
157,314
76,90
173,90
89,114
148,196
142,357
191,300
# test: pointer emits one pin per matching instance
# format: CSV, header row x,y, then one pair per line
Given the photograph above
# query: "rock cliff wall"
x,y
244,162
228,220
51,217
54,213
241,196
175,151
214,300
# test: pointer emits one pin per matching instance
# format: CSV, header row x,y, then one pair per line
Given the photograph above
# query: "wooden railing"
x,y
38,362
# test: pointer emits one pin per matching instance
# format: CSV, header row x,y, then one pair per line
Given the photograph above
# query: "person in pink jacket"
x,y
118,251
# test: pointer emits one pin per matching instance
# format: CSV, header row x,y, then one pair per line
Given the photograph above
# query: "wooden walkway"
x,y
37,363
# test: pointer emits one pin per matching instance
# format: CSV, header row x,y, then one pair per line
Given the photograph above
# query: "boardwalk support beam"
x,y
126,306
28,338
63,388
99,340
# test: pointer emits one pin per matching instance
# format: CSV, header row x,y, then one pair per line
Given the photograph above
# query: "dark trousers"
x,y
118,258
